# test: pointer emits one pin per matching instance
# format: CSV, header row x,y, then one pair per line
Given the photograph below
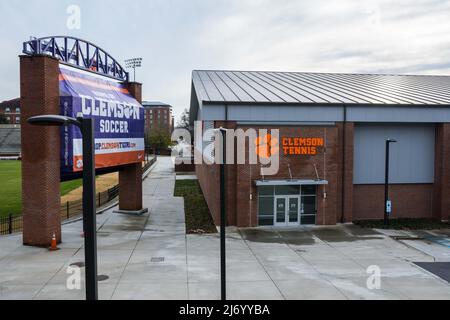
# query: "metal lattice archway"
x,y
78,53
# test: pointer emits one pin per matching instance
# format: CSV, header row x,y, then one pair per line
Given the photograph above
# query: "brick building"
x,y
158,115
11,111
332,134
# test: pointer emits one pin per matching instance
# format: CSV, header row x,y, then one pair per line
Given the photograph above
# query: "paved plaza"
x,y
151,257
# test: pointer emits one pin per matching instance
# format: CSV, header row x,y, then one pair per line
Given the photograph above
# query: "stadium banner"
x,y
118,120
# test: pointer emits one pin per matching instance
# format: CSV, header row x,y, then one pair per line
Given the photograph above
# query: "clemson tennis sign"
x,y
118,118
302,146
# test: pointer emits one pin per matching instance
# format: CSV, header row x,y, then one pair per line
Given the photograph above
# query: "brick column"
x,y
441,203
345,144
39,94
135,89
130,177
130,188
347,187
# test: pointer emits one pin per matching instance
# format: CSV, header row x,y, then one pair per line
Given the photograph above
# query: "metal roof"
x,y
215,86
155,104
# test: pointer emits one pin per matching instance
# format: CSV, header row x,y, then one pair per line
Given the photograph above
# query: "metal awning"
x,y
290,182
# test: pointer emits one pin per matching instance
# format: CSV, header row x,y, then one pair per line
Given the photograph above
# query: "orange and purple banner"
x,y
118,120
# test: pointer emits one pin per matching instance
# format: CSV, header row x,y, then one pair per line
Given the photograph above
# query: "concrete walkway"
x,y
151,257
130,249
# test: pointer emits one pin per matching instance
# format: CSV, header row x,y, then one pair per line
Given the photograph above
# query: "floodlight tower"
x,y
133,64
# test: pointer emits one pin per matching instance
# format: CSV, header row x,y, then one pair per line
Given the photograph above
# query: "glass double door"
x,y
294,210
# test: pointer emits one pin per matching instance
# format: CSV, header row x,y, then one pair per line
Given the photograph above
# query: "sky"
x,y
175,37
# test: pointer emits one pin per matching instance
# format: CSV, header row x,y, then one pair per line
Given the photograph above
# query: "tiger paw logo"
x,y
266,146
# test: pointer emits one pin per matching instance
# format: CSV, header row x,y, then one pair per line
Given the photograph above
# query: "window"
x,y
17,119
265,191
17,110
8,110
265,205
308,190
287,190
265,210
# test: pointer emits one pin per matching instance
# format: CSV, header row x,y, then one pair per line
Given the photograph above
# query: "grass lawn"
x,y
405,224
198,217
11,188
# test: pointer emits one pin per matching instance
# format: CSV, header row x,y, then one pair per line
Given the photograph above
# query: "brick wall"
x,y
345,172
13,115
242,196
408,201
208,177
411,200
130,177
441,196
184,167
39,91
344,202
130,187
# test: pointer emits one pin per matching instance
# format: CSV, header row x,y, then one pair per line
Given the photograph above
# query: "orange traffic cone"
x,y
53,246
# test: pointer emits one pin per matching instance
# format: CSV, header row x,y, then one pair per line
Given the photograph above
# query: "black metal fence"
x,y
69,210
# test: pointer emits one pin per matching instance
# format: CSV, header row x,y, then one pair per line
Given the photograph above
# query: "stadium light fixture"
x,y
86,126
133,64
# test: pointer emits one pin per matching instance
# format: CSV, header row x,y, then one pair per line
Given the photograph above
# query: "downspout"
x,y
344,166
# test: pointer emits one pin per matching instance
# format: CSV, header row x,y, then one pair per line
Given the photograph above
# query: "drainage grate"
x,y
102,277
77,264
157,259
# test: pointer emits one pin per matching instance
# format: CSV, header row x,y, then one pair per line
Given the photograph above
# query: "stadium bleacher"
x,y
9,141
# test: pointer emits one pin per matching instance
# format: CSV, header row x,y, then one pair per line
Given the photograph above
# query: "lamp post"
x,y
86,126
387,202
133,64
223,219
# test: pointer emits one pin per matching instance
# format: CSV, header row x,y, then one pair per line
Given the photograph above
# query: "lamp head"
x,y
53,120
391,140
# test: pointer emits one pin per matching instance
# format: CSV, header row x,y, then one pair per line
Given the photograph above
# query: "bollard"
x,y
10,223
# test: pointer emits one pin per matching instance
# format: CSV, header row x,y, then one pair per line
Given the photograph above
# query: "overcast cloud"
x,y
175,37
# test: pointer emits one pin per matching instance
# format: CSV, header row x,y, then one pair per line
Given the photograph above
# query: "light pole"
x,y
133,64
387,202
223,219
86,126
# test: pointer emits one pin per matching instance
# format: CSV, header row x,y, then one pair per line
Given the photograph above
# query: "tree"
x,y
159,139
184,121
3,119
